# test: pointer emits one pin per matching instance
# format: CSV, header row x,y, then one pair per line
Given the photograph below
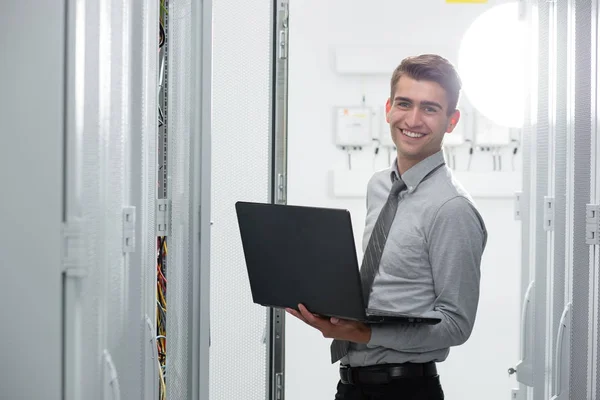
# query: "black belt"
x,y
384,373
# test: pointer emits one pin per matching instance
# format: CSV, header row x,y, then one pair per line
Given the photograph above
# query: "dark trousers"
x,y
428,388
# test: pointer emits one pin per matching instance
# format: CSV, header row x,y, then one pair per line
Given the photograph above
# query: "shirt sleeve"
x,y
456,241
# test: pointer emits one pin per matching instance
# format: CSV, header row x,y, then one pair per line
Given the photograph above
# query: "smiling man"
x,y
424,238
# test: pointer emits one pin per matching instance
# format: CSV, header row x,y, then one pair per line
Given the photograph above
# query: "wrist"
x,y
365,336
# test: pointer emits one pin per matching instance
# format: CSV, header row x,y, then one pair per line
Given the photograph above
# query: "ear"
x,y
454,118
388,107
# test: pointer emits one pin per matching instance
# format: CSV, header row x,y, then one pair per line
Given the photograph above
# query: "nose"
x,y
413,117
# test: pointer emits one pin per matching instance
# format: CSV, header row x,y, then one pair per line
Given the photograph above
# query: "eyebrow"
x,y
423,103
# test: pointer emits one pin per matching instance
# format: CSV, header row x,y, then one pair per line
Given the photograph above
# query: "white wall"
x,y
317,29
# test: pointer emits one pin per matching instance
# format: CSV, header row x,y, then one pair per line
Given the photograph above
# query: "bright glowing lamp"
x,y
491,65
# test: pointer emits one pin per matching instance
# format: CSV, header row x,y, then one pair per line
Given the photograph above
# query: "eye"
x,y
403,104
430,110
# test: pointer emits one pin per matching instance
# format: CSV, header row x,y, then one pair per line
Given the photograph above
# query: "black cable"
x,y
161,36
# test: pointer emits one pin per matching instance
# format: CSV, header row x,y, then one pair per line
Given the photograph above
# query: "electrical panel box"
x,y
353,126
491,134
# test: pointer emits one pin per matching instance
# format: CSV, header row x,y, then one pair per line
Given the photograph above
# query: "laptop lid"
x,y
299,254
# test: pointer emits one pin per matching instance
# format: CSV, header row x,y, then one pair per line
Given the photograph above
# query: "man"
x,y
429,262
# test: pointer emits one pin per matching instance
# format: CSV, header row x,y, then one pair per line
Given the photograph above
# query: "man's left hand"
x,y
334,328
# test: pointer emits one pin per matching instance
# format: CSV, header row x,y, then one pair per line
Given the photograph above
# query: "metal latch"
x,y
283,44
518,205
548,213
129,229
592,224
284,31
281,189
73,255
279,386
163,217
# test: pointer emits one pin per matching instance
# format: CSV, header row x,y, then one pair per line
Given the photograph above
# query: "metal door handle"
x,y
524,369
557,372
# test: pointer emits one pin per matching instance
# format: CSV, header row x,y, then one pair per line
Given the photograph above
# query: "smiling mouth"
x,y
414,135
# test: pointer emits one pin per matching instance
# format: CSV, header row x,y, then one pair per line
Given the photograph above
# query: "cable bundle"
x,y
161,312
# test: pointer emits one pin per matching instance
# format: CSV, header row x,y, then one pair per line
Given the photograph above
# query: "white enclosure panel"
x,y
558,164
141,271
31,170
581,196
242,90
595,200
100,145
109,168
179,267
201,178
135,79
595,188
103,295
89,292
124,352
524,365
187,62
541,243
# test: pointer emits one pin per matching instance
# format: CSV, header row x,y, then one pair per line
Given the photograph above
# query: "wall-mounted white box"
x,y
490,134
353,126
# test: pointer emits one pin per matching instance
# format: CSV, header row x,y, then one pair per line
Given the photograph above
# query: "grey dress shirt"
x,y
430,265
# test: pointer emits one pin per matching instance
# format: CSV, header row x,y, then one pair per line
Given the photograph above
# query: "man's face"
x,y
418,118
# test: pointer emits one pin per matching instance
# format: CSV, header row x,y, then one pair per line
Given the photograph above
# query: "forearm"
x,y
453,330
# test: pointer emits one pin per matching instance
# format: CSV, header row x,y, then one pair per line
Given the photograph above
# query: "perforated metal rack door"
x,y
121,343
179,267
527,275
541,135
581,196
595,188
99,136
94,189
141,365
104,304
559,276
241,162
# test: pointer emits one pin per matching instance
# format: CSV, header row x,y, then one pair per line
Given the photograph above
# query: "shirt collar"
x,y
415,175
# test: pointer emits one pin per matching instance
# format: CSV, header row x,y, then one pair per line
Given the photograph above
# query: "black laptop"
x,y
307,255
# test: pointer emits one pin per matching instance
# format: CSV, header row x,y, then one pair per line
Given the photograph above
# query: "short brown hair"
x,y
431,67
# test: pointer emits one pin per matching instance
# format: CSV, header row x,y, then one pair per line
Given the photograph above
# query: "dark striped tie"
x,y
372,257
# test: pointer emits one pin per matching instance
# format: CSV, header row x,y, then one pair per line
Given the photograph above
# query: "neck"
x,y
405,163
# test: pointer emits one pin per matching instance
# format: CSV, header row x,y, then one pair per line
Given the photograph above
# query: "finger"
x,y
307,314
296,314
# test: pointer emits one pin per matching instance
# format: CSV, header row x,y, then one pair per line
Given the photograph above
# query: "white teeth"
x,y
412,134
